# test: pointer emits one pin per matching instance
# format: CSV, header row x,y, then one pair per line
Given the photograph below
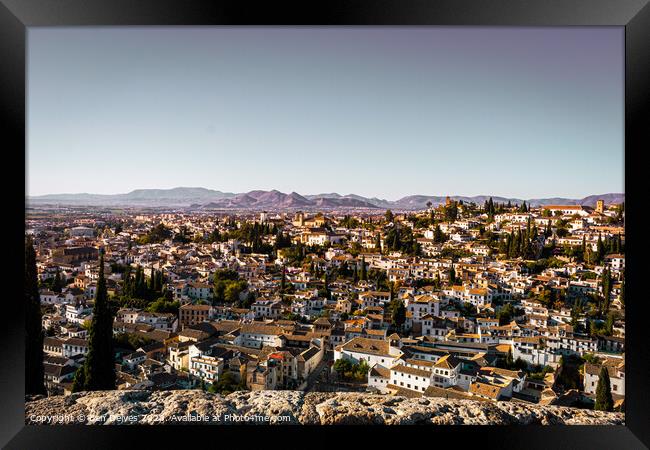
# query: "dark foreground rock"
x,y
295,407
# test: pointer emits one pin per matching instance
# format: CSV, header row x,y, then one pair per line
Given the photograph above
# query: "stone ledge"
x,y
296,407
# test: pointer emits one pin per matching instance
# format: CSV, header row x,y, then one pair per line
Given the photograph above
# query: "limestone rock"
x,y
296,407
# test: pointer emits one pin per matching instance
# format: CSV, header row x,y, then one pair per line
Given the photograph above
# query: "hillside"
x,y
206,199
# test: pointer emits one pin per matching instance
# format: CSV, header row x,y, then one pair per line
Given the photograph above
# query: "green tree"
x,y
342,365
233,290
600,252
398,313
606,285
609,324
363,274
524,208
100,361
378,241
79,382
162,305
151,284
156,235
506,314
57,284
604,400
34,372
389,216
451,212
510,362
452,275
438,236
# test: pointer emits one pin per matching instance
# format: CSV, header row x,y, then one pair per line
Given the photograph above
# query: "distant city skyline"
x,y
380,112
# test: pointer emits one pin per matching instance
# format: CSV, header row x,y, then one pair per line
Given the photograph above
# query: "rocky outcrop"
x,y
295,407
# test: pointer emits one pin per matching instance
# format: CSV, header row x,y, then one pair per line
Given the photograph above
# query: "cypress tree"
x,y
363,275
398,313
604,401
510,361
161,281
127,286
437,234
79,382
503,246
100,365
607,287
57,284
34,372
601,249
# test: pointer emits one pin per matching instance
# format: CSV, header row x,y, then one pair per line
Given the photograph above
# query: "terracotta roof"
x,y
366,346
379,371
485,390
411,370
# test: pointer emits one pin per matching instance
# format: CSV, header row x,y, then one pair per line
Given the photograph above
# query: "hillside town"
x,y
488,302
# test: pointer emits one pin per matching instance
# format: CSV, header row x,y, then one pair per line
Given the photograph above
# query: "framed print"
x,y
332,218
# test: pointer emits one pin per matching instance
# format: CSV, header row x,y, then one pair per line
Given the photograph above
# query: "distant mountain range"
x,y
207,199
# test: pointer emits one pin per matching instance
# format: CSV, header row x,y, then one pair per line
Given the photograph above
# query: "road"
x,y
321,370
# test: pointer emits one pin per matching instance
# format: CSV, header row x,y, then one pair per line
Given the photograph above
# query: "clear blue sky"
x,y
386,112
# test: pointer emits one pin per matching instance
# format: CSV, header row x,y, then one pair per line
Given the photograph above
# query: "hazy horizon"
x,y
381,112
334,192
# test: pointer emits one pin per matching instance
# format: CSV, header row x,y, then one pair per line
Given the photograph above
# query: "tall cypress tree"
x,y
607,287
100,365
57,284
34,343
161,282
510,361
604,400
601,249
398,313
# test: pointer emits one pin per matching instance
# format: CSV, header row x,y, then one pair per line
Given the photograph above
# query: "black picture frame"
x,y
17,15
